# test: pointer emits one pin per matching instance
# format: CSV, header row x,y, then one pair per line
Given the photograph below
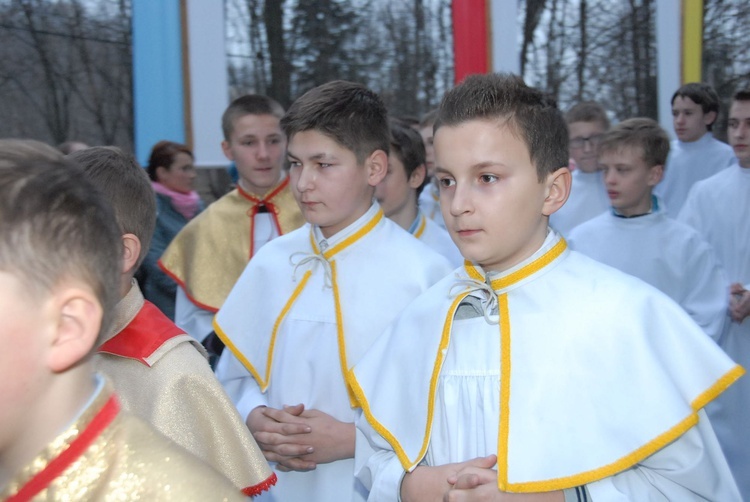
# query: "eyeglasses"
x,y
593,141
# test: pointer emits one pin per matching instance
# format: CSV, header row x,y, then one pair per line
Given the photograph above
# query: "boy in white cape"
x,y
311,302
575,379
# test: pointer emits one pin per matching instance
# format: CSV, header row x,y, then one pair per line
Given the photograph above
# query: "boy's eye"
x,y
293,163
323,165
488,178
248,143
446,182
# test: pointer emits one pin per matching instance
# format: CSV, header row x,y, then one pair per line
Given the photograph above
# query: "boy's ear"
x,y
377,167
227,151
655,175
709,118
558,190
79,318
131,251
417,176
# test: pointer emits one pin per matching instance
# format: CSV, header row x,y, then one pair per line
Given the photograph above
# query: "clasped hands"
x,y
298,439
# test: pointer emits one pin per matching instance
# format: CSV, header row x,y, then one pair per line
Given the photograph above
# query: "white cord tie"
x,y
487,295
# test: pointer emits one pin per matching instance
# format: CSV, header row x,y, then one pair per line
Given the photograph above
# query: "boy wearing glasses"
x,y
587,121
638,238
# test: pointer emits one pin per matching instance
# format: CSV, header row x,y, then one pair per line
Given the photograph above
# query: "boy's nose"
x,y
262,151
460,202
304,179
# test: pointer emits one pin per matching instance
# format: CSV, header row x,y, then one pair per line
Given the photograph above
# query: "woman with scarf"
x,y
172,173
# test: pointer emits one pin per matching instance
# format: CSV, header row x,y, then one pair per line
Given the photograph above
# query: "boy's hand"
x,y
282,436
330,439
473,476
739,302
428,483
477,483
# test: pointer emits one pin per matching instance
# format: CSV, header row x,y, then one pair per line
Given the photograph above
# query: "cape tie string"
x,y
487,295
301,258
259,206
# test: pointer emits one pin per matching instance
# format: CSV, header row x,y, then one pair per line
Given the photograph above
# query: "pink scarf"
x,y
187,204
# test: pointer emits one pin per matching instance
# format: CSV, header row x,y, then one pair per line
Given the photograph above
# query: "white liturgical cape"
x,y
438,238
719,208
665,253
303,312
584,376
689,163
588,198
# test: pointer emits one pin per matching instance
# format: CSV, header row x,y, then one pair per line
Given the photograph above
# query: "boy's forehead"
x,y
479,142
622,154
312,143
585,127
252,123
684,102
739,110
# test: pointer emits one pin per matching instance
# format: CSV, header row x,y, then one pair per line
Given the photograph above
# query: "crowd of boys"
x,y
403,316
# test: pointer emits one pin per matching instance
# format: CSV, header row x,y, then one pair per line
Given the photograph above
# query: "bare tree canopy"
x,y
66,71
66,65
605,50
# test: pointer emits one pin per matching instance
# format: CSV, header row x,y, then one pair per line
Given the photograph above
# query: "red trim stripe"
x,y
253,491
59,464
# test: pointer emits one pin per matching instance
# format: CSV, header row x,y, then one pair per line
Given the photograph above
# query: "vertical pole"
x,y
157,75
505,50
470,38
668,56
692,40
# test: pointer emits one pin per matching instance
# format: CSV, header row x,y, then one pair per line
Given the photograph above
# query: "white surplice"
x,y
365,274
667,254
588,198
719,208
689,163
574,374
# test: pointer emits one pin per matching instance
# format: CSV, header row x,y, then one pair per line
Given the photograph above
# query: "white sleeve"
x,y
375,463
196,321
239,384
690,468
705,296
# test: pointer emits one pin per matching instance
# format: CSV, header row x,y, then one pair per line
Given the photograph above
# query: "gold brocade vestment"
x,y
109,455
207,257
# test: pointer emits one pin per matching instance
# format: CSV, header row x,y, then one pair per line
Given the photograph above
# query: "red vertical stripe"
x,y
470,38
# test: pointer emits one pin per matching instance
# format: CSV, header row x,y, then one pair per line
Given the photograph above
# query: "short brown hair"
x,y
700,94
638,132
407,145
505,98
124,183
741,95
55,225
349,113
249,104
587,111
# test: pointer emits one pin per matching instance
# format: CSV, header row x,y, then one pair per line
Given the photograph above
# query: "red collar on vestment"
x,y
148,331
